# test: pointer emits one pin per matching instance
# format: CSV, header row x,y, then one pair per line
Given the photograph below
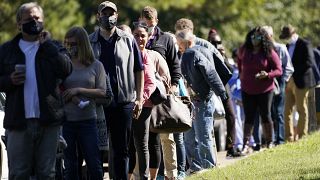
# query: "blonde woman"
x,y
86,83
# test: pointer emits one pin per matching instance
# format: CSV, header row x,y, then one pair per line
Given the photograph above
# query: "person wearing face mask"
x,y
30,67
163,43
86,83
302,79
258,64
121,57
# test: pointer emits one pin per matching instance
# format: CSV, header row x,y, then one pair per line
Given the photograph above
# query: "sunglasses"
x,y
257,37
216,43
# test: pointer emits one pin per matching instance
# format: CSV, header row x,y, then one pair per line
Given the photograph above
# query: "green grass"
x,y
299,160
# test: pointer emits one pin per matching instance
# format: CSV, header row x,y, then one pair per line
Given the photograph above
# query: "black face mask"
x,y
108,22
33,27
73,51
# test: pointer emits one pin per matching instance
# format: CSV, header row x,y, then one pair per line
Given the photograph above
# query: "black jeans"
x,y
230,119
119,120
257,103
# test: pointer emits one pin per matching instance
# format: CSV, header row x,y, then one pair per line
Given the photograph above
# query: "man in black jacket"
x,y
30,67
302,80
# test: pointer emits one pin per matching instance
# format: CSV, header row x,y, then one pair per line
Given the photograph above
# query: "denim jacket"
x,y
124,58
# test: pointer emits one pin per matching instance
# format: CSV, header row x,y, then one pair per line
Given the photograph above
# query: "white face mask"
x,y
150,29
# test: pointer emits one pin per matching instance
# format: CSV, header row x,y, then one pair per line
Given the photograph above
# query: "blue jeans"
x,y
33,148
181,152
85,134
277,113
119,120
198,140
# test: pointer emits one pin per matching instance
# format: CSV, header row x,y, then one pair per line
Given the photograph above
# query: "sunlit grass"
x,y
300,160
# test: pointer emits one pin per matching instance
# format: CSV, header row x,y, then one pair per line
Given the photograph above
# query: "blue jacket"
x,y
201,74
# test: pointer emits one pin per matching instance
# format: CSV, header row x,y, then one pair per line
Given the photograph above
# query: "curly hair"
x,y
266,41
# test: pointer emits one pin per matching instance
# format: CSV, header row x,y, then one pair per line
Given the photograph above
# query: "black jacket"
x,y
165,46
303,61
51,65
199,70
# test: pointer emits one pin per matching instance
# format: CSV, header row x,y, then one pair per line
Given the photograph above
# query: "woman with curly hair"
x,y
258,65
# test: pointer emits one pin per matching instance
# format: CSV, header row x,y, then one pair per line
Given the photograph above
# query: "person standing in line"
x,y
204,81
86,83
302,80
215,39
121,57
163,44
258,64
30,67
278,100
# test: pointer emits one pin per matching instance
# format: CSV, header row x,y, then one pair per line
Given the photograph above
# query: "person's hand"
x,y
17,78
69,93
262,75
137,108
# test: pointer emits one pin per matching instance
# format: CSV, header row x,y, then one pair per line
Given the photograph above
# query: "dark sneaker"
x,y
257,147
232,152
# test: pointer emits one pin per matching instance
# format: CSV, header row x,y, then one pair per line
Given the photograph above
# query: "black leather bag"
x,y
160,94
171,116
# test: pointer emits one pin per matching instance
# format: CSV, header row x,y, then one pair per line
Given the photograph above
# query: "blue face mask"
x,y
150,29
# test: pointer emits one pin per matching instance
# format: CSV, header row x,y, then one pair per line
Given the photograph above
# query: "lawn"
x,y
299,160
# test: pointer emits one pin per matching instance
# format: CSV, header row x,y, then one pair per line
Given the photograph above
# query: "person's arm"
x,y
139,80
62,62
99,91
173,63
288,71
276,68
7,82
149,78
211,76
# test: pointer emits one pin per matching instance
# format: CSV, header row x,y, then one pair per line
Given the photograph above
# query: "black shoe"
x,y
232,152
257,147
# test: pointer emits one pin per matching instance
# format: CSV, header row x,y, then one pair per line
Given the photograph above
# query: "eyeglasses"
x,y
257,37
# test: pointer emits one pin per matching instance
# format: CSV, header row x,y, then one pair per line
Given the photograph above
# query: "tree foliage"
x,y
231,18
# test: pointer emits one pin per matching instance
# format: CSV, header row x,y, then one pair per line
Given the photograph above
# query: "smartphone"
x,y
21,68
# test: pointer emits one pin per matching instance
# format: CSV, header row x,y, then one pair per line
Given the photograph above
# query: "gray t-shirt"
x,y
91,77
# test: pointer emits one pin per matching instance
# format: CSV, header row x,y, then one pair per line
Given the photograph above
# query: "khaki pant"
x,y
298,97
169,155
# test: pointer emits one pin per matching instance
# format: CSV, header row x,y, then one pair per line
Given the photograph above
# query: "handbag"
x,y
160,93
219,111
171,116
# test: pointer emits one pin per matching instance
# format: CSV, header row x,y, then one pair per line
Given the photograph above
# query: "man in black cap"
x,y
302,80
121,57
